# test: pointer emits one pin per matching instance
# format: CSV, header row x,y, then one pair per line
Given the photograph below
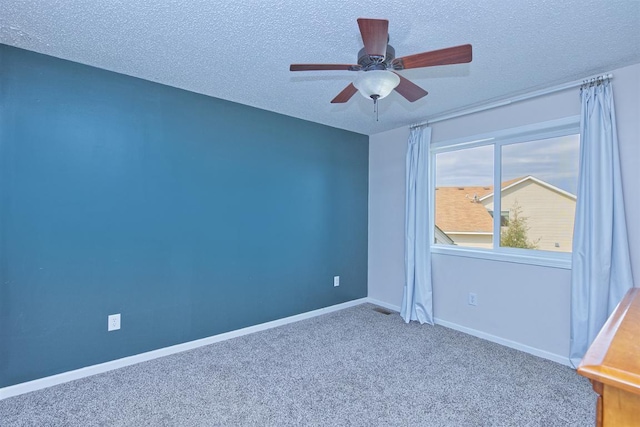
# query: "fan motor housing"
x,y
369,63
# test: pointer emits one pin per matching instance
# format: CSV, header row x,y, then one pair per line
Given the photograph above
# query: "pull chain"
x,y
375,105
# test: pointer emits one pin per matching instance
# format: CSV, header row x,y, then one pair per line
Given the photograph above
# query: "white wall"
x,y
387,152
521,303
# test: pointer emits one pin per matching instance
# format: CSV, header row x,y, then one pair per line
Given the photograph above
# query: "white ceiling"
x,y
241,51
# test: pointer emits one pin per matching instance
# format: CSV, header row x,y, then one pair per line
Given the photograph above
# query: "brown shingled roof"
x,y
457,208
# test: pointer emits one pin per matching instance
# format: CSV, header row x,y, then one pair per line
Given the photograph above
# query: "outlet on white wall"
x,y
113,322
473,299
336,280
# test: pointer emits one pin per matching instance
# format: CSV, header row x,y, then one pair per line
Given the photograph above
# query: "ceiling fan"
x,y
378,65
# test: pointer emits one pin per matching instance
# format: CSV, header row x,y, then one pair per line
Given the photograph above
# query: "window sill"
x,y
543,259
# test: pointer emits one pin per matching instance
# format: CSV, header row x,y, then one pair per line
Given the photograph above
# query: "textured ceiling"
x,y
241,51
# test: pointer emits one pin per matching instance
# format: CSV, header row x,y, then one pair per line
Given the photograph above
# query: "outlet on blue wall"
x,y
189,215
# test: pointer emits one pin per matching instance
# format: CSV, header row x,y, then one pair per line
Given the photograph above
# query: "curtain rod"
x,y
508,101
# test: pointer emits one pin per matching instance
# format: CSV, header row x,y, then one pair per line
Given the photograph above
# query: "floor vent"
x,y
382,310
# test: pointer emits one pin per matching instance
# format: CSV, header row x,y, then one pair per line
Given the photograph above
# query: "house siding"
x,y
549,214
472,240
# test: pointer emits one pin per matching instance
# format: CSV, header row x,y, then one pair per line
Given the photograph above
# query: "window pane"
x,y
539,180
463,179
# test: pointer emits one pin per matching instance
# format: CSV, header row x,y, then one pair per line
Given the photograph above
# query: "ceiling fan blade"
x,y
323,67
345,95
411,91
450,55
375,35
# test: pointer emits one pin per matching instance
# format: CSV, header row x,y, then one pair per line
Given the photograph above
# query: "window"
x,y
504,218
527,174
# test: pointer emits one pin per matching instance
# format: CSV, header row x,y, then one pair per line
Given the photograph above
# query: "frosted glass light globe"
x,y
376,84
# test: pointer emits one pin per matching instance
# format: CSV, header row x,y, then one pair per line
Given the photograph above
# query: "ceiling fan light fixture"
x,y
376,84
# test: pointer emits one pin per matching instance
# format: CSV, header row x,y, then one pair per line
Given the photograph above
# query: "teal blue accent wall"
x,y
189,215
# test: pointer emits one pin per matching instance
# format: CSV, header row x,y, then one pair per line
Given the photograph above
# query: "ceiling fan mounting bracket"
x,y
374,62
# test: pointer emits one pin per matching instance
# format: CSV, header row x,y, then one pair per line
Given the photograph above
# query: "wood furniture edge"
x,y
591,364
612,377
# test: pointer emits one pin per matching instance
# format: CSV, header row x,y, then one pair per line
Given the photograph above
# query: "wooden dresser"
x,y
612,363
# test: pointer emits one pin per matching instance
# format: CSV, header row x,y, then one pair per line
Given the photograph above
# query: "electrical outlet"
x,y
473,299
113,322
336,280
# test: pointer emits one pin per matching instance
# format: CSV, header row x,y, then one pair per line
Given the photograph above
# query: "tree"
x,y
515,235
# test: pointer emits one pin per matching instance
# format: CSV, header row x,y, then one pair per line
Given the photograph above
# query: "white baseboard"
x,y
64,377
505,342
493,338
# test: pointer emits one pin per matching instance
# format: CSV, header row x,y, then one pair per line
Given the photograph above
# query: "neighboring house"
x,y
442,238
462,218
465,214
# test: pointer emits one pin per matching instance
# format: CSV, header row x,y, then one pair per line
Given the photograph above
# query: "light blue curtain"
x,y
601,266
417,300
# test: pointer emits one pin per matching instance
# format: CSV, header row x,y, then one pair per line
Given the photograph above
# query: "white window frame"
x,y
550,129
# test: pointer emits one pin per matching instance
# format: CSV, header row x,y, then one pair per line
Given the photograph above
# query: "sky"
x,y
554,160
